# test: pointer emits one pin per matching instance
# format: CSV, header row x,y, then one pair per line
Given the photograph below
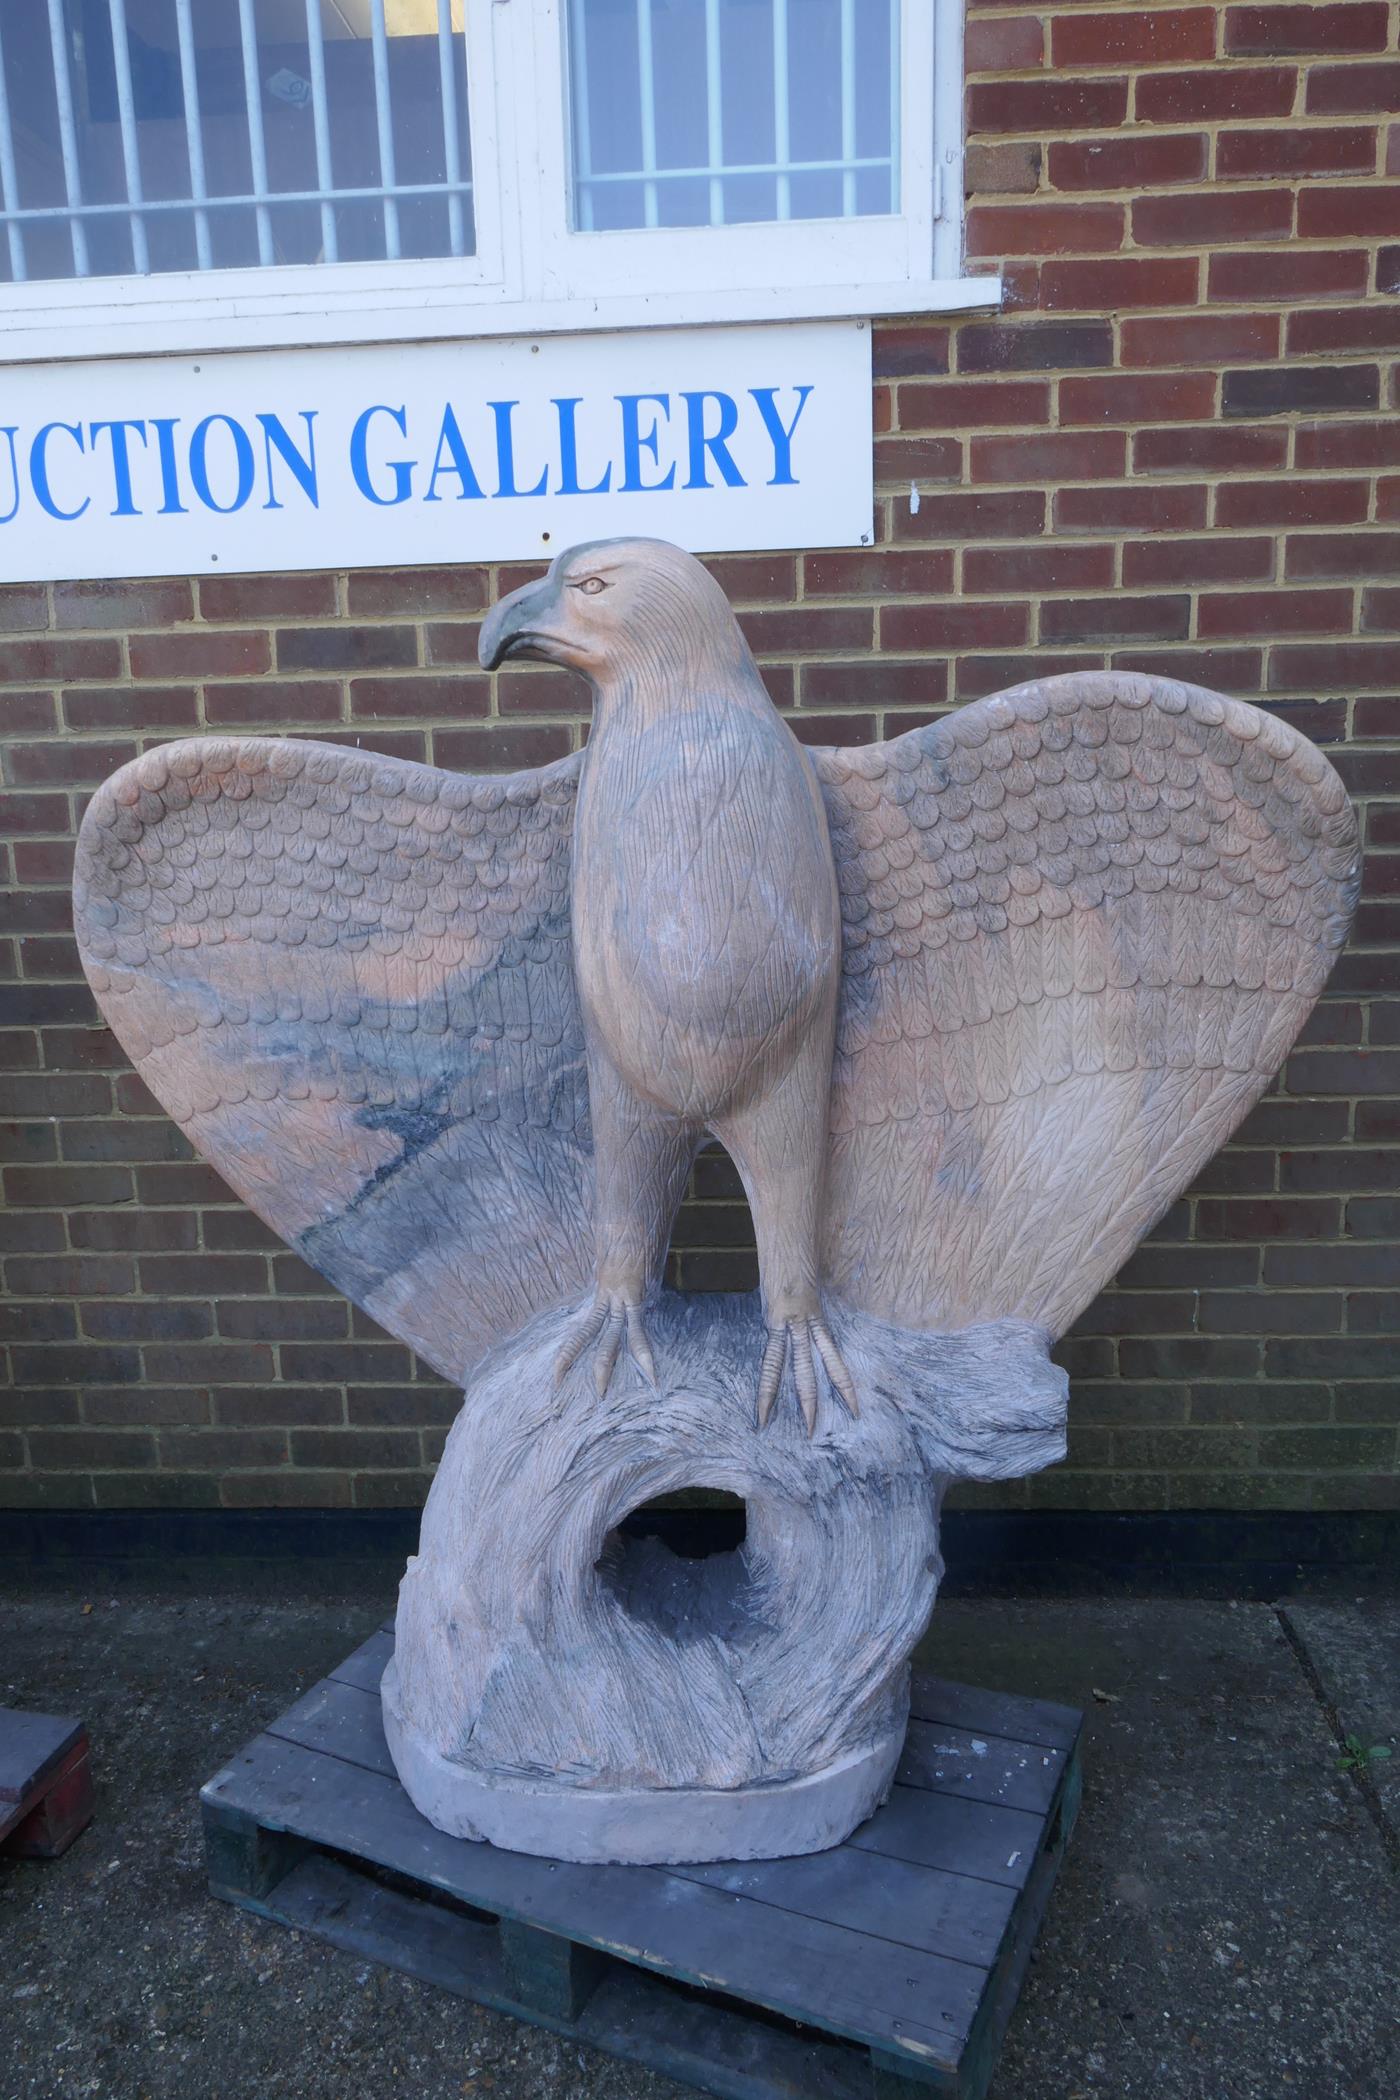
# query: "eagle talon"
x,y
610,1321
807,1340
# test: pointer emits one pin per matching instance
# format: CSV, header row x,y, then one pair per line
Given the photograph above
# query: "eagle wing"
x,y
1083,921
350,980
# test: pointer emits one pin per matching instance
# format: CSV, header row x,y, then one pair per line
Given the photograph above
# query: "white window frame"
x,y
531,273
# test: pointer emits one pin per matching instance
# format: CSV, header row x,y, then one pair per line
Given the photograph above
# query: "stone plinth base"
x,y
639,1826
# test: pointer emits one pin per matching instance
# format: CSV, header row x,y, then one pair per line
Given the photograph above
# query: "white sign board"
x,y
363,457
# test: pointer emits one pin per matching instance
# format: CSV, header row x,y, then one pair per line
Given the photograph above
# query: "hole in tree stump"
x,y
678,1563
693,1522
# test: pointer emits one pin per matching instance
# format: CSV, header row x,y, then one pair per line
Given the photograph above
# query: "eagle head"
x,y
610,605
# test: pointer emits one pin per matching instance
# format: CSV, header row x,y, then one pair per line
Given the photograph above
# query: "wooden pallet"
x,y
45,1783
885,1969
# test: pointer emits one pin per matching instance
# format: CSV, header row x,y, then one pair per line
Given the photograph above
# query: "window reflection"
x,y
715,112
160,135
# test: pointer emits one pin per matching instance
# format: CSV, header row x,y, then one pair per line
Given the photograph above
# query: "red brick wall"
x,y
1175,449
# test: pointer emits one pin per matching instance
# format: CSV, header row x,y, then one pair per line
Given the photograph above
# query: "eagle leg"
x,y
641,1161
777,1141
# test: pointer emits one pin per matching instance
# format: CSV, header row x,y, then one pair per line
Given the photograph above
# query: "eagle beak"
x,y
518,625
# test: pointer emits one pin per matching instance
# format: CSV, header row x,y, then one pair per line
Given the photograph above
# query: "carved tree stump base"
x,y
562,1689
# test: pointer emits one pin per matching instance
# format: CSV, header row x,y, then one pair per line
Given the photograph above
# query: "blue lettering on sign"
x,y
636,441
401,469
566,408
715,443
11,431
505,454
781,433
700,439
452,457
164,428
121,461
39,469
276,438
242,459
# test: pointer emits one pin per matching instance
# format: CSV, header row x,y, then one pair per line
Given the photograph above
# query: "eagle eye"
x,y
589,584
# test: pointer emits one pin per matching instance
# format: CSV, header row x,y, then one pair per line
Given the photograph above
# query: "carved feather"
x,y
1184,872
407,1112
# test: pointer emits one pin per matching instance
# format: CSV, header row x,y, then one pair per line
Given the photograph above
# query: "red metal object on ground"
x,y
45,1783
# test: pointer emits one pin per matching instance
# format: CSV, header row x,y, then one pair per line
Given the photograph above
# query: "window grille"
x,y
148,136
727,112
627,163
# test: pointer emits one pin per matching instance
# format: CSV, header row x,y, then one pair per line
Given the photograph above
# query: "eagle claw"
x,y
809,1340
611,1319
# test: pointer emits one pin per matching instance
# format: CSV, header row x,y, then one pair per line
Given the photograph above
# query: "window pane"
x,y
157,135
714,112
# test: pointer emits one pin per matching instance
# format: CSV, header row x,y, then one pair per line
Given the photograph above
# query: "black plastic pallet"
x,y
885,1969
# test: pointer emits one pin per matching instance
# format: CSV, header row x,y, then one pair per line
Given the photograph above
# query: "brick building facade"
x,y
1175,449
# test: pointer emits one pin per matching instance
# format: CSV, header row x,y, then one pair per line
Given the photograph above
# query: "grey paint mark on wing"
x,y
416,1125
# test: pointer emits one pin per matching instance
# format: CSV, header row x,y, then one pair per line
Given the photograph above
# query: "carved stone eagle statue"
x,y
968,1008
